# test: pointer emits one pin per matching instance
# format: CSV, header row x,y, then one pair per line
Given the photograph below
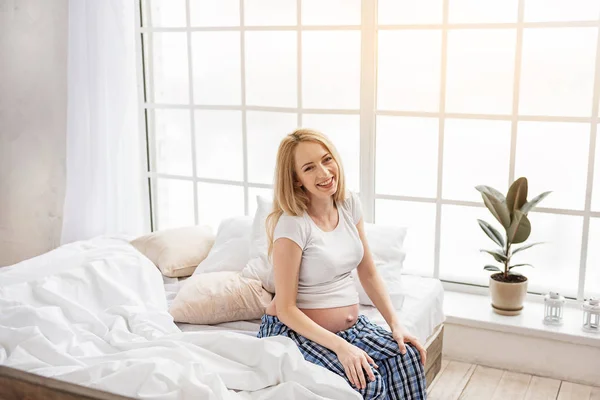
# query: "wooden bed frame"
x,y
20,385
434,346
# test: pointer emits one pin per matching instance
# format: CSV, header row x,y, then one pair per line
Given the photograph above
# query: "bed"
x,y
422,314
91,317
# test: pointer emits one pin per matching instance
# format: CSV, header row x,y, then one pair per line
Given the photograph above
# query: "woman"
x,y
316,238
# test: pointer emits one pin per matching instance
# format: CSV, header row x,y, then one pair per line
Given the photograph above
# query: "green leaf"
x,y
517,195
492,268
497,255
519,229
491,232
530,204
525,247
491,191
518,265
498,209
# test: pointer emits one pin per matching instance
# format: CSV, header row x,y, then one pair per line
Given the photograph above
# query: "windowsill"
x,y
474,310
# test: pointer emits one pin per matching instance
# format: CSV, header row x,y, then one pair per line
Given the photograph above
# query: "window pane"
x,y
561,10
172,142
477,11
252,193
556,262
331,12
331,69
391,12
271,69
596,188
164,13
214,12
476,152
217,202
592,271
217,75
265,131
344,132
480,71
169,67
553,156
175,206
408,76
460,242
419,218
270,12
557,74
407,156
219,147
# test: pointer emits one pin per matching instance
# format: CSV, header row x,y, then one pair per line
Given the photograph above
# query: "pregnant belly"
x,y
333,319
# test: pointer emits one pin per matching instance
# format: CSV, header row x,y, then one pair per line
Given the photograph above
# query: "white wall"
x,y
33,118
552,358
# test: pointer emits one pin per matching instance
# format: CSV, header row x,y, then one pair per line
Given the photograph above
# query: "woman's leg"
x,y
317,354
404,375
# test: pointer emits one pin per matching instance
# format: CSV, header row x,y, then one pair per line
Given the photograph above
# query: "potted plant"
x,y
508,287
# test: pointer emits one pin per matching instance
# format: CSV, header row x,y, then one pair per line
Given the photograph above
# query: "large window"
x,y
424,100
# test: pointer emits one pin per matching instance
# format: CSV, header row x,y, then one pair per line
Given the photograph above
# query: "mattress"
x,y
421,313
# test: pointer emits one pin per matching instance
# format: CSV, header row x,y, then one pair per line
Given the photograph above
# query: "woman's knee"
x,y
413,352
409,365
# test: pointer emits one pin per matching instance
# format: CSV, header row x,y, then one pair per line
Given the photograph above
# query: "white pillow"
x,y
393,282
385,243
230,251
259,267
176,252
219,297
258,244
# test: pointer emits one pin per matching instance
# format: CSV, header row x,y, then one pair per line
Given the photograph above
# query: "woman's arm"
x,y
375,288
372,282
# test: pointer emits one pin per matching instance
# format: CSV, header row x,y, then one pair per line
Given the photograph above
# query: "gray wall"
x,y
33,124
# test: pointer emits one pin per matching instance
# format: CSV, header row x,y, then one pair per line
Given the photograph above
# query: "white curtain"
x,y
106,192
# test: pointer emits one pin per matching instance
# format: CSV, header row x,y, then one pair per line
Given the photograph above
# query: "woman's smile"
x,y
328,184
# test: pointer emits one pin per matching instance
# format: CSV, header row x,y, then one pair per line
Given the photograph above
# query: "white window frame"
x,y
368,113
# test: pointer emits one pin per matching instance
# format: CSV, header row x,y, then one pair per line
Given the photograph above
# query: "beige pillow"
x,y
216,297
176,252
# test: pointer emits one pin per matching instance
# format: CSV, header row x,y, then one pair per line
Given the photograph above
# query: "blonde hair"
x,y
289,197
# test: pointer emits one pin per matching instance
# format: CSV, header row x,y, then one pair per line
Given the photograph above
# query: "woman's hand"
x,y
402,336
354,361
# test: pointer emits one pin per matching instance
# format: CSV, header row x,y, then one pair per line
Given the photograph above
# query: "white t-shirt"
x,y
328,258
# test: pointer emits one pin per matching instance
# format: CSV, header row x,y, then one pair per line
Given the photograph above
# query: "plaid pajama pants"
x,y
399,377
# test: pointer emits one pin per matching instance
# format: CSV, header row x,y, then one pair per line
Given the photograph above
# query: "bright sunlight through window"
x,y
424,101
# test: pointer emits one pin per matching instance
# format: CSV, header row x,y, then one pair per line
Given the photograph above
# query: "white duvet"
x,y
94,313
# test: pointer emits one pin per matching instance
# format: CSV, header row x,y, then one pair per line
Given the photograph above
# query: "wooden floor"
x,y
458,380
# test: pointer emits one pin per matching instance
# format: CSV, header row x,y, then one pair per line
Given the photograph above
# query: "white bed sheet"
x,y
421,313
94,313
